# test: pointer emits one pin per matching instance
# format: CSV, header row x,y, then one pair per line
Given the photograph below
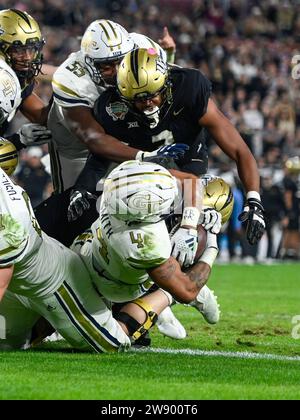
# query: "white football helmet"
x,y
104,41
10,92
141,192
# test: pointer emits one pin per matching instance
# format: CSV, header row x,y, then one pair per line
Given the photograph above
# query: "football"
x,y
202,238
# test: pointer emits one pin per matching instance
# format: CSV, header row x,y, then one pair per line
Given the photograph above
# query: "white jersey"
x,y
122,254
73,86
40,262
10,87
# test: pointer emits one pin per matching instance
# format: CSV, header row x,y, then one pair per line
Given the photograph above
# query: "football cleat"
x,y
206,303
169,325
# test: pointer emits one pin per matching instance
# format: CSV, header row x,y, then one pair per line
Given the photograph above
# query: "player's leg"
x,y
138,316
16,321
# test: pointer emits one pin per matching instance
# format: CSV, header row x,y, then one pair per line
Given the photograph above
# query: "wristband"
x,y
190,217
139,155
211,251
253,194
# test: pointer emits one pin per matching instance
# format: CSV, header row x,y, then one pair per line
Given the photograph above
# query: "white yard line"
x,y
214,353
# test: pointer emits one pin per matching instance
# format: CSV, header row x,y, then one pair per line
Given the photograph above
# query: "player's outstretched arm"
x,y
92,134
230,141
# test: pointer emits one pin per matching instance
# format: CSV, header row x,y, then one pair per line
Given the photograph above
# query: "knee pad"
x,y
137,330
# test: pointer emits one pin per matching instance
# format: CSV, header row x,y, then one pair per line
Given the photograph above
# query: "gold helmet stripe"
x,y
112,28
138,182
22,15
9,155
105,31
111,39
143,173
229,199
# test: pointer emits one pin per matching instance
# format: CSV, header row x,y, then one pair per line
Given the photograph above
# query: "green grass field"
x,y
257,303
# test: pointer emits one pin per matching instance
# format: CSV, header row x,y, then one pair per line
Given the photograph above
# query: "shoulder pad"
x,y
72,85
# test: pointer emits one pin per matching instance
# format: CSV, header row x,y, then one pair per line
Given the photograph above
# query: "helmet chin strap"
x,y
152,116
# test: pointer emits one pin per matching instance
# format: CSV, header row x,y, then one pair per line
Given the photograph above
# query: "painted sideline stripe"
x,y
214,353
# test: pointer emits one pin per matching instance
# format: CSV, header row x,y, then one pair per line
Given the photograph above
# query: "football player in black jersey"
x,y
21,46
155,104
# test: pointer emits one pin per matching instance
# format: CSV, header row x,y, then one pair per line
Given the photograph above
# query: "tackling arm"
x,y
6,274
230,141
92,134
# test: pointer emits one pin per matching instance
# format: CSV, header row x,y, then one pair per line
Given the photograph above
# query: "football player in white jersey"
x,y
77,84
128,248
41,277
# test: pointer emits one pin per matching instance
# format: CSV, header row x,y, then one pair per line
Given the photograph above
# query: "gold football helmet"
x,y
21,42
218,195
293,165
8,156
141,75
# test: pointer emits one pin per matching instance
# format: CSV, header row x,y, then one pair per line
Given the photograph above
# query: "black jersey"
x,y
179,122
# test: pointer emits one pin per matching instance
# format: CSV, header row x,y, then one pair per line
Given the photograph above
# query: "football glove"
x,y
34,134
254,220
211,220
172,151
79,202
184,244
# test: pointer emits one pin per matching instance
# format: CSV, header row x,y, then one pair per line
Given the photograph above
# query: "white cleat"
x,y
206,303
169,325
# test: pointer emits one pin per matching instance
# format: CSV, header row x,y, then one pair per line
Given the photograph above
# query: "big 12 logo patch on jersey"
x,y
117,110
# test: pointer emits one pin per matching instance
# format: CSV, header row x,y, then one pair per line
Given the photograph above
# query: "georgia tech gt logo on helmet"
x,y
140,192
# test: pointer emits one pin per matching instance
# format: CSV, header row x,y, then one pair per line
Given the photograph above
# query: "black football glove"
x,y
79,202
254,219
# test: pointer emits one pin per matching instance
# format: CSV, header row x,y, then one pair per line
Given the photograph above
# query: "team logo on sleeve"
x,y
117,110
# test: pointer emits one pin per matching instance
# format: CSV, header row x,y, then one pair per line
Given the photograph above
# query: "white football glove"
x,y
184,246
211,220
34,134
